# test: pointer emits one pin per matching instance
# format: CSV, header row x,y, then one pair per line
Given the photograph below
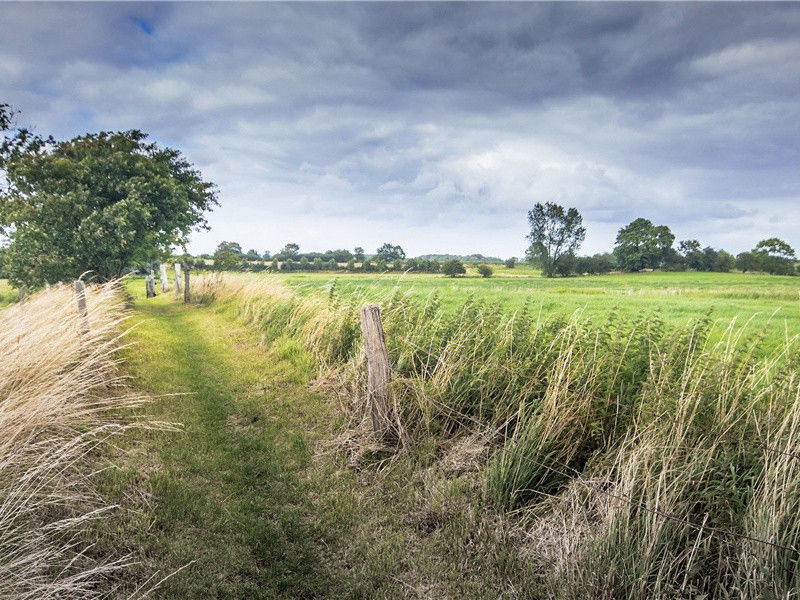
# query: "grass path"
x,y
228,493
238,496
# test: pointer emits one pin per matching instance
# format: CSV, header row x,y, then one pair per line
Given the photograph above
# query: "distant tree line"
x,y
556,235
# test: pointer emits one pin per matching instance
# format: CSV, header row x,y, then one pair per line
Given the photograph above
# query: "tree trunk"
x,y
150,283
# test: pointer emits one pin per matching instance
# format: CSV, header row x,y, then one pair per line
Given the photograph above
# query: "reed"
x,y
644,461
61,396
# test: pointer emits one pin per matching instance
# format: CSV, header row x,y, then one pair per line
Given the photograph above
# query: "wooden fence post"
x,y
379,373
186,284
164,282
47,288
177,267
150,284
23,293
83,312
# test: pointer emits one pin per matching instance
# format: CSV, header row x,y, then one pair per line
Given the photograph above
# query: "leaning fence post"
x,y
164,282
83,313
186,284
379,373
177,267
150,284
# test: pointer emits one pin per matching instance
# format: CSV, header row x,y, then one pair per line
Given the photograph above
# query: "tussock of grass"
x,y
648,461
59,398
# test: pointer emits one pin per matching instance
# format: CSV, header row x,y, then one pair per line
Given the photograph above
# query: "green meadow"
x,y
771,303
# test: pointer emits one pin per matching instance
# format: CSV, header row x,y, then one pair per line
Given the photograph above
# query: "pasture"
x,y
772,302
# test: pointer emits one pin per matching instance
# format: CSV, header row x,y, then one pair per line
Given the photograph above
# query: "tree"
x,y
228,256
692,255
746,261
267,256
99,202
252,255
318,265
511,262
351,265
358,254
290,250
485,270
555,234
642,245
453,267
775,256
390,253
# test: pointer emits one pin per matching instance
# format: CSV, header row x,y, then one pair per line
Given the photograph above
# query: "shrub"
x,y
485,270
453,268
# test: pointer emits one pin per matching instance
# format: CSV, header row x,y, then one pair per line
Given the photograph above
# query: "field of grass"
x,y
773,302
536,452
636,456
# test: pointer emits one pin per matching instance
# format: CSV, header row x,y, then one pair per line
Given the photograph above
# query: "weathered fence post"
x,y
47,288
83,312
23,293
379,373
150,284
164,282
186,284
177,278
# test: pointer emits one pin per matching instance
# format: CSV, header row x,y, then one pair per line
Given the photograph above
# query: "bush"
x,y
453,268
485,270
510,263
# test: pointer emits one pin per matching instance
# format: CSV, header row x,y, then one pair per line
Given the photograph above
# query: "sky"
x,y
437,126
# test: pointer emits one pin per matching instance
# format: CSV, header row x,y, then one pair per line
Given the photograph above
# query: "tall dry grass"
x,y
645,461
60,397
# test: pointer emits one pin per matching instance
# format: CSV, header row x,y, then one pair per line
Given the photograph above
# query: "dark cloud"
x,y
438,125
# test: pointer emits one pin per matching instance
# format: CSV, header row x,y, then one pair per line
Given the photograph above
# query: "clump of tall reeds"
x,y
60,396
647,461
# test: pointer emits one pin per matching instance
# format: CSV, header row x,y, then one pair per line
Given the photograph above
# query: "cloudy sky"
x,y
437,126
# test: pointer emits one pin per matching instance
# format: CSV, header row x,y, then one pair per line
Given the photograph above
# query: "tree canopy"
x,y
556,234
642,245
389,253
98,202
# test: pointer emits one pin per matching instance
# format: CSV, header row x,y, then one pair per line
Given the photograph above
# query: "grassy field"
x,y
772,301
249,499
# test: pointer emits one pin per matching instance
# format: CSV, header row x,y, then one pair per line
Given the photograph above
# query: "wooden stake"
x,y
164,282
186,284
379,373
150,284
83,312
177,267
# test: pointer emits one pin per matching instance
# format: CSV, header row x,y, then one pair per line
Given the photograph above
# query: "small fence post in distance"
x,y
83,312
186,284
164,282
177,267
150,284
379,372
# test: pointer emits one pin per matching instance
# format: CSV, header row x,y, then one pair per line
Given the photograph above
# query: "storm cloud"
x,y
436,126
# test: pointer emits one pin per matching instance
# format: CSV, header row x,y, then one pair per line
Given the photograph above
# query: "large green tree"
x,y
99,202
390,253
642,245
228,257
775,256
556,234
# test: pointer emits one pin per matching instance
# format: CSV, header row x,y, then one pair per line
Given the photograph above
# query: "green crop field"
x,y
772,302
